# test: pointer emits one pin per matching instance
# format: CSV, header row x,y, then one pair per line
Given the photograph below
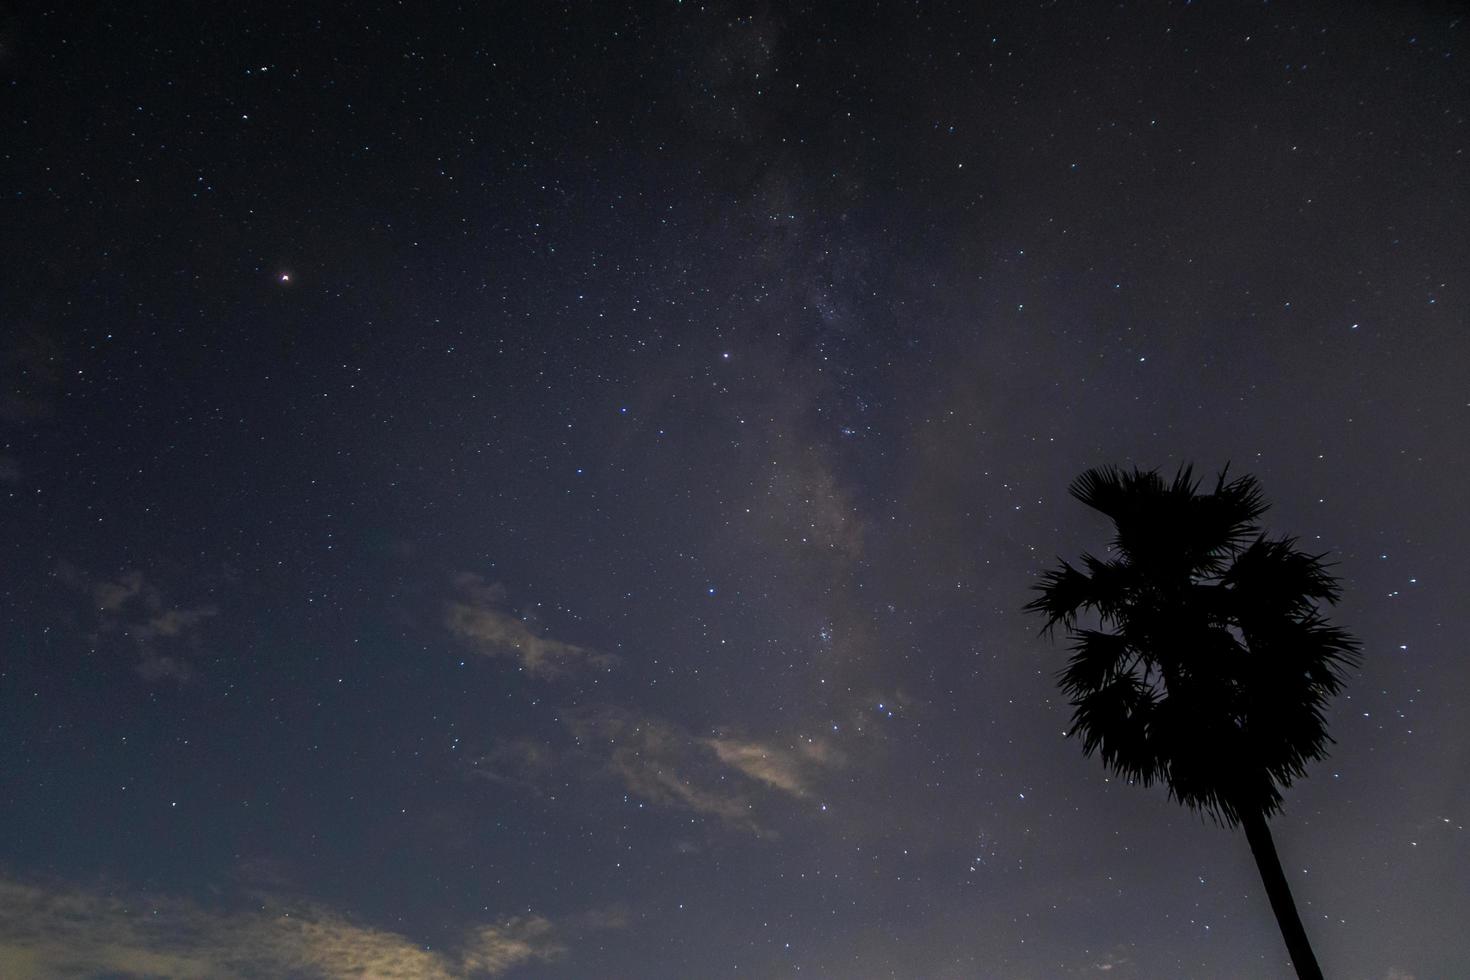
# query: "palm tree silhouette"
x,y
1211,665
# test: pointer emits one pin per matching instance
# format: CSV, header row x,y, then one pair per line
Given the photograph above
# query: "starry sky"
x,y
548,490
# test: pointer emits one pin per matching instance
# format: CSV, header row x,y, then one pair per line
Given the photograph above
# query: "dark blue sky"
x,y
549,489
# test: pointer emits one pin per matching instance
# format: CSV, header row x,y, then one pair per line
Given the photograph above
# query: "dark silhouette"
x,y
1212,665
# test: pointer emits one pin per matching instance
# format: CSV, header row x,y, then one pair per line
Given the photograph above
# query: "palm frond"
x,y
1102,488
1064,592
1113,721
1097,658
1214,666
1110,585
1271,578
1241,502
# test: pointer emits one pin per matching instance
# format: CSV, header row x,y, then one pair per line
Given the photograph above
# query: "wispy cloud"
x,y
790,770
477,615
64,932
31,366
524,763
112,596
1113,959
662,763
167,637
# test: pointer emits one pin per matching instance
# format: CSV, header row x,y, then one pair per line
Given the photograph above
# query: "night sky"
x,y
549,489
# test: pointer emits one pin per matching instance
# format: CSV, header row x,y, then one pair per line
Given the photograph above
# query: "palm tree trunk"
x,y
1279,892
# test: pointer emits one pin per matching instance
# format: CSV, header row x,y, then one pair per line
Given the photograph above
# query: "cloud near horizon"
x,y
477,616
67,931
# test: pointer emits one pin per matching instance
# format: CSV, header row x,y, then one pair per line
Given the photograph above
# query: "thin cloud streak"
x,y
722,777
476,617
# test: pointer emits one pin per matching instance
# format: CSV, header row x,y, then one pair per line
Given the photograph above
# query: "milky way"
x,y
549,490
